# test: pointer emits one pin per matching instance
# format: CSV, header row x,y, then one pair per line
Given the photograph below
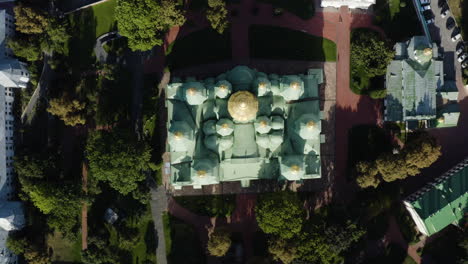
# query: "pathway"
x,y
394,235
84,209
158,205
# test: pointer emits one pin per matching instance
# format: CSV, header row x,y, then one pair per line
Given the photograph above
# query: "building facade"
x,y
441,202
244,125
361,4
13,75
416,90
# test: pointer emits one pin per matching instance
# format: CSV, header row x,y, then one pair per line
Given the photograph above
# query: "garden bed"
x,y
269,42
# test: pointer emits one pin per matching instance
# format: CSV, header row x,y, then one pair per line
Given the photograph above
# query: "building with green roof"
x,y
441,202
244,125
415,85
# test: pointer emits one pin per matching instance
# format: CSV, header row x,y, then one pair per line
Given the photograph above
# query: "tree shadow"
x,y
83,40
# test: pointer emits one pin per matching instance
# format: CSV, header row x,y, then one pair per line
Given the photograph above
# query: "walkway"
x,y
158,205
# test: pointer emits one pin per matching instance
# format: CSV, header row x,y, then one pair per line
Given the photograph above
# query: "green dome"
x,y
222,89
241,76
211,142
195,93
276,139
308,126
263,140
224,127
209,127
204,172
292,88
262,86
423,55
292,168
277,122
225,142
180,136
262,125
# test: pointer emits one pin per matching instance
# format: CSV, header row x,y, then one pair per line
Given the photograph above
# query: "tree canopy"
x,y
117,158
29,20
219,242
143,22
420,152
369,53
280,214
217,15
71,112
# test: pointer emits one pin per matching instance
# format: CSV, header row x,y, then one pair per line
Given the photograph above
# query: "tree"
x,y
117,158
367,174
56,38
99,252
391,166
29,20
369,53
16,244
219,242
282,250
69,111
35,166
421,153
26,48
280,214
217,15
144,21
35,256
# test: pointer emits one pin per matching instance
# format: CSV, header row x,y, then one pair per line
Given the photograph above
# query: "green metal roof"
x,y
242,151
444,201
412,81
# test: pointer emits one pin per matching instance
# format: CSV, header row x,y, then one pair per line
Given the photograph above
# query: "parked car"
x,y
430,21
444,13
464,64
456,37
460,50
425,7
441,3
450,23
425,2
462,57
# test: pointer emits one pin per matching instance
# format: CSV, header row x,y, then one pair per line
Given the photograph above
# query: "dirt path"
x,y
84,209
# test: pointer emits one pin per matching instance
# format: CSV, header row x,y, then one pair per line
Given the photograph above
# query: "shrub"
x,y
378,94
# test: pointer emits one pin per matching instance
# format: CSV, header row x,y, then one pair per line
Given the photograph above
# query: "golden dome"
x,y
178,135
310,124
295,85
263,123
243,106
201,173
191,91
428,51
295,168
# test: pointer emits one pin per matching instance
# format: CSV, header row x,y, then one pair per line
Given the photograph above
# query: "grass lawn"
x,y
167,232
185,245
209,205
268,42
104,15
64,250
399,23
201,47
394,6
302,8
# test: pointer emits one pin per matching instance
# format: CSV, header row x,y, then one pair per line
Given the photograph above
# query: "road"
x,y
158,207
47,76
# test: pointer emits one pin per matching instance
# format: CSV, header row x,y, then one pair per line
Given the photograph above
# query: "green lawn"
x,y
185,246
104,15
394,6
200,47
64,250
167,232
268,42
209,205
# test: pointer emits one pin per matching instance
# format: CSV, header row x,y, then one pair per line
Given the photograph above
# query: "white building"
x,y
13,74
362,4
